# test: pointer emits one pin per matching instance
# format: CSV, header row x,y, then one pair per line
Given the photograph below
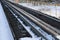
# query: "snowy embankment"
x,y
50,10
5,32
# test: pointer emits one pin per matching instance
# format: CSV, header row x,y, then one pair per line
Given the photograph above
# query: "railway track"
x,y
28,25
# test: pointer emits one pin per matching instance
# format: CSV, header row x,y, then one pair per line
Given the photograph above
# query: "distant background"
x,y
50,7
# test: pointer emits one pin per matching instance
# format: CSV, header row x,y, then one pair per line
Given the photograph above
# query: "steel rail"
x,y
52,31
46,18
35,27
38,22
25,12
25,27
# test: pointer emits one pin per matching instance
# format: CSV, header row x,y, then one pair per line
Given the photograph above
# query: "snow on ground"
x,y
50,10
5,32
27,38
